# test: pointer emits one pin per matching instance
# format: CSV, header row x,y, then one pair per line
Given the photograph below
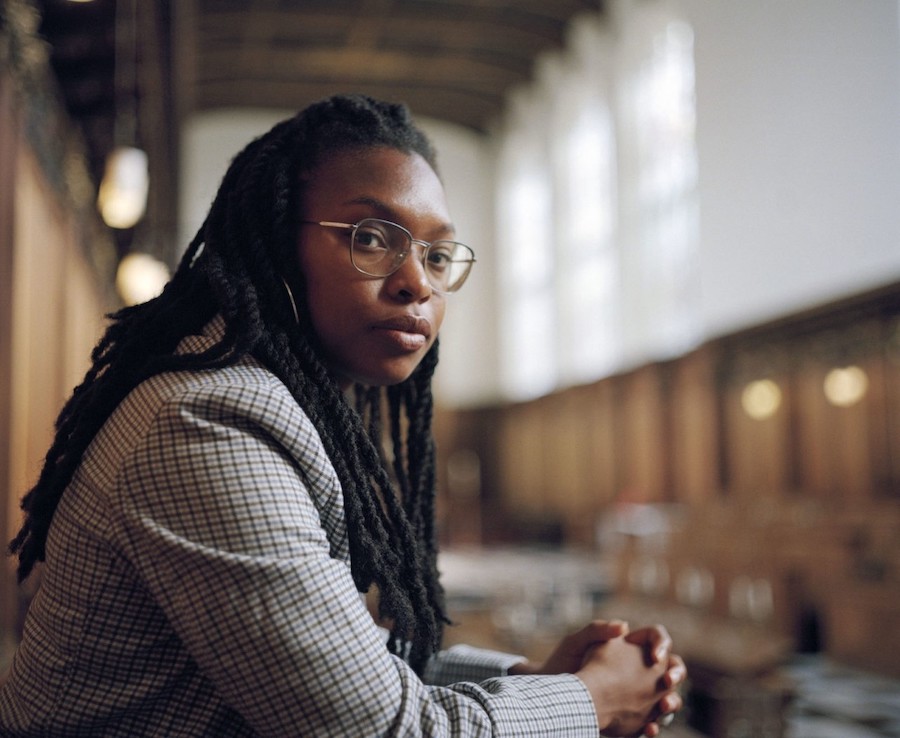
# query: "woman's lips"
x,y
407,332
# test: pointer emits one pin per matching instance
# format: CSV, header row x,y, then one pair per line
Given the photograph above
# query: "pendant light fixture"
x,y
122,198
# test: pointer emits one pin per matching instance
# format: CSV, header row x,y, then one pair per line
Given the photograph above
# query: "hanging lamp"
x,y
122,199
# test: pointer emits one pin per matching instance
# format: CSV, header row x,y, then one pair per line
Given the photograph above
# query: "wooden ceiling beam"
x,y
311,26
499,50
460,106
286,66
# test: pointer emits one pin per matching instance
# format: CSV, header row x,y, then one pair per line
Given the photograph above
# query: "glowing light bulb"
x,y
761,399
123,192
845,386
140,277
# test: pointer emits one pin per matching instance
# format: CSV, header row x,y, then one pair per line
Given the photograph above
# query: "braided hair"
x,y
234,267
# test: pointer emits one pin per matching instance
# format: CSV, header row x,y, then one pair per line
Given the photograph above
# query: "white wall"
x,y
798,136
468,372
209,141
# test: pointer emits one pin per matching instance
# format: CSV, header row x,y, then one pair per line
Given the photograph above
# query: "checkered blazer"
x,y
197,583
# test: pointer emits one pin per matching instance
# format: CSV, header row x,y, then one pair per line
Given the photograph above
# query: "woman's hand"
x,y
624,688
634,681
656,645
632,676
569,655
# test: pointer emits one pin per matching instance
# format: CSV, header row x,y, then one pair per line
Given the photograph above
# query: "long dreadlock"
x,y
234,267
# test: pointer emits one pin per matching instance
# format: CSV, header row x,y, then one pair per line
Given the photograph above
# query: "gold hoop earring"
x,y
291,298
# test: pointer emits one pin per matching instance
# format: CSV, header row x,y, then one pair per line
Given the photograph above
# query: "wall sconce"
x,y
761,399
845,386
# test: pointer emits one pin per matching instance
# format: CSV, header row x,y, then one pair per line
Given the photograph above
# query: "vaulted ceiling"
x,y
453,60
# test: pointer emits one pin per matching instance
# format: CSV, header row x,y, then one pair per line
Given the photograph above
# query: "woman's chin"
x,y
385,374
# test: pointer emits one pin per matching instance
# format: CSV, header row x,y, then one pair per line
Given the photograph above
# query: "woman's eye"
x,y
371,239
439,257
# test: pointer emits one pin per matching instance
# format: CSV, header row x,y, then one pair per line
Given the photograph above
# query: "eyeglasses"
x,y
379,248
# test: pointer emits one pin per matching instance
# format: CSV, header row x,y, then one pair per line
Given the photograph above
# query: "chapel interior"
x,y
670,392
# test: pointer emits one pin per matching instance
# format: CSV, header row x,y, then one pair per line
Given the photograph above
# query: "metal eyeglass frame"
x,y
425,244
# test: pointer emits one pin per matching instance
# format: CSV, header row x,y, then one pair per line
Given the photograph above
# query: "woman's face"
x,y
373,330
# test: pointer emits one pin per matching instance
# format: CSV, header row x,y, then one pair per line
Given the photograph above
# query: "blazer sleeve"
x,y
216,510
464,663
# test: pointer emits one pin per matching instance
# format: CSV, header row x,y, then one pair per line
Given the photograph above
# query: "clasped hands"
x,y
632,676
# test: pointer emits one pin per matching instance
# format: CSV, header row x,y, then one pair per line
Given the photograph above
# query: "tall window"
x,y
588,284
526,269
598,209
661,107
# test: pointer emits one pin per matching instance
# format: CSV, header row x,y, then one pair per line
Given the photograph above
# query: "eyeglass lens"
x,y
379,248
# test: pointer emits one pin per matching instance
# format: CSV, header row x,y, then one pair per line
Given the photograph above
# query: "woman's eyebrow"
x,y
372,202
386,212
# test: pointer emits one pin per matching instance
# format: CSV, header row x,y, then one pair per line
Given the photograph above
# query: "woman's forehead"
x,y
386,181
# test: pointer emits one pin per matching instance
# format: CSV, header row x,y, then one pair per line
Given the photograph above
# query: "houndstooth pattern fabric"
x,y
197,583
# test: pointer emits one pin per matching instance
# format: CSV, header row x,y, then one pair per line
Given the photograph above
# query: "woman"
x,y
212,506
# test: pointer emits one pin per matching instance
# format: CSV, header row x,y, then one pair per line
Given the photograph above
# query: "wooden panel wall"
x,y
642,431
602,433
847,449
694,438
57,317
806,498
8,148
51,315
679,432
891,372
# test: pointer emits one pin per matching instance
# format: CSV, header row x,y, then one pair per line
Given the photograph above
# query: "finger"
x,y
656,640
651,730
676,672
600,630
671,702
583,644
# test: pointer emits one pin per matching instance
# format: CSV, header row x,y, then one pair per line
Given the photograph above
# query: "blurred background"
x,y
670,392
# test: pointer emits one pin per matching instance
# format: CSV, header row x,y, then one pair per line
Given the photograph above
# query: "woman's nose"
x,y
410,281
